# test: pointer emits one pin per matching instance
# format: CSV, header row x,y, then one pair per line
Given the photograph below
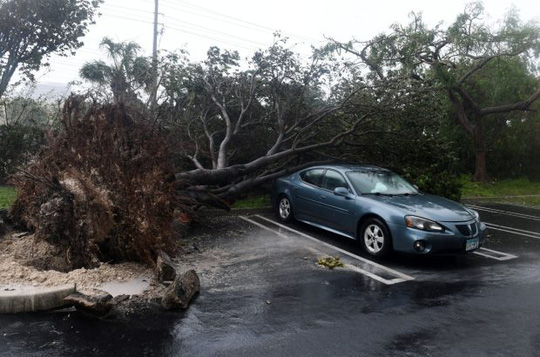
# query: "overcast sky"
x,y
249,25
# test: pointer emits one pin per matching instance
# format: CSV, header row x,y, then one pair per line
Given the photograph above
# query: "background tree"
x,y
462,61
31,30
23,122
127,73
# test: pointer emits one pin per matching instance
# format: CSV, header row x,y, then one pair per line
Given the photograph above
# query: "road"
x,y
263,295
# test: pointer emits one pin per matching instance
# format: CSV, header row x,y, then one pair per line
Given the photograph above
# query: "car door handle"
x,y
322,197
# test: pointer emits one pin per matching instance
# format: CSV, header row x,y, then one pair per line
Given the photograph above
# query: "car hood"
x,y
428,206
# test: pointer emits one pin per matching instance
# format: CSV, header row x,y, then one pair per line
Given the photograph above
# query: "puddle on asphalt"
x,y
130,287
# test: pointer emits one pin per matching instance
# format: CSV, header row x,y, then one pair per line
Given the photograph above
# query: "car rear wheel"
x,y
285,210
375,237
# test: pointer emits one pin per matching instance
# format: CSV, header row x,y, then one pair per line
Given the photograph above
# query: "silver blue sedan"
x,y
378,208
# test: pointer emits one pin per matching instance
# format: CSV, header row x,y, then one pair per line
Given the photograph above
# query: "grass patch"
x,y
498,189
515,187
253,202
523,201
7,196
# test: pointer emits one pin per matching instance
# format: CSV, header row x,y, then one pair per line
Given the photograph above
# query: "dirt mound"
x,y
100,191
17,251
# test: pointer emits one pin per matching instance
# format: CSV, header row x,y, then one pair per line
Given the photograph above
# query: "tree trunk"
x,y
480,173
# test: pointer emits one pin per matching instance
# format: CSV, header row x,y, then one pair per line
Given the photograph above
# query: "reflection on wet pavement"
x,y
263,294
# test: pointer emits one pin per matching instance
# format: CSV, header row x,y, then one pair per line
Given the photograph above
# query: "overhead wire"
x,y
206,29
128,18
205,13
191,29
247,24
174,24
211,38
127,8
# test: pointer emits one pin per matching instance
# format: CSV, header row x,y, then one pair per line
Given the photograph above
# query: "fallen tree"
x,y
101,190
241,127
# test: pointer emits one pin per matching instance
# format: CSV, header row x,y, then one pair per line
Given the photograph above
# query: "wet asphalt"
x,y
264,295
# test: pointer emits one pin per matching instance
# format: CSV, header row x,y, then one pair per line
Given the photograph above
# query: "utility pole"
x,y
154,48
154,74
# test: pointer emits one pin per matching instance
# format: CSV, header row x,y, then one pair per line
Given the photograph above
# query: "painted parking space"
x,y
515,220
494,254
514,231
509,219
382,273
507,224
506,211
373,270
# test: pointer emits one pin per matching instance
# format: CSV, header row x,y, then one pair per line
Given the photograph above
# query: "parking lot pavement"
x,y
513,229
263,294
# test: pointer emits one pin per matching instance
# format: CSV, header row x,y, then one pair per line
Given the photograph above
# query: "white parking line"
x,y
516,231
508,213
494,254
400,276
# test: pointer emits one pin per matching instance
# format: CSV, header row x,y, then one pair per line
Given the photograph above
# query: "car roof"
x,y
348,167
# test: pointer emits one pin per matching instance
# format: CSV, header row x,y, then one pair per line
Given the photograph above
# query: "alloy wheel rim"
x,y
284,208
374,238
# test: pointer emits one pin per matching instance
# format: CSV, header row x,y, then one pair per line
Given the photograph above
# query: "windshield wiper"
x,y
379,194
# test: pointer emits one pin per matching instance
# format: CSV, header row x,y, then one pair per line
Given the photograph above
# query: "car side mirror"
x,y
342,191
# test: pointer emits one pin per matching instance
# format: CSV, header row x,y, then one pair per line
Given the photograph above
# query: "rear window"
x,y
313,176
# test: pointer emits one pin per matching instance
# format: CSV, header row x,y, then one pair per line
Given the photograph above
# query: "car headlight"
x,y
423,224
475,214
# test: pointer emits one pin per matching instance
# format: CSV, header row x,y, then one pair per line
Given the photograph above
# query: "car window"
x,y
313,176
380,182
333,179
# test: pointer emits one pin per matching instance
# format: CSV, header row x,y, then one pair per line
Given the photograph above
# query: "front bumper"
x,y
453,240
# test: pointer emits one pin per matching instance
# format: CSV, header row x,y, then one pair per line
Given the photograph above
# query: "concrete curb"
x,y
233,212
31,299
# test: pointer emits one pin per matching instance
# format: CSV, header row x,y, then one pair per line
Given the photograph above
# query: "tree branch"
x,y
524,105
228,174
462,116
475,69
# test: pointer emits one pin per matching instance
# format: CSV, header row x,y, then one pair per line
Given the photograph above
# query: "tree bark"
x,y
480,172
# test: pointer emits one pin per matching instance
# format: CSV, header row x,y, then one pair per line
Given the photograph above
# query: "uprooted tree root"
x,y
101,190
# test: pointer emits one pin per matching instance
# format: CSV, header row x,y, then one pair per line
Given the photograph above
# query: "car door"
x,y
338,211
305,194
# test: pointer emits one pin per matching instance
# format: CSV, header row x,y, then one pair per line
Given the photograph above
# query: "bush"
x,y
441,183
18,143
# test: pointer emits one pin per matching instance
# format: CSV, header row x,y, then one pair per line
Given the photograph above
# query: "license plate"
x,y
472,244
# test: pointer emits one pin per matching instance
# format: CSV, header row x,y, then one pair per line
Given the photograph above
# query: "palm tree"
x,y
126,74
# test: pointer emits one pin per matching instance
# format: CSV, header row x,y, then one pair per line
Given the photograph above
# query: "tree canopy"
x,y
477,66
32,30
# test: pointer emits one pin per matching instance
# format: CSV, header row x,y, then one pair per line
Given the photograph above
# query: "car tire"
x,y
375,237
285,209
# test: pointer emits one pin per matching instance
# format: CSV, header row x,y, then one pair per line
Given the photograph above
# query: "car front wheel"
x,y
285,211
375,237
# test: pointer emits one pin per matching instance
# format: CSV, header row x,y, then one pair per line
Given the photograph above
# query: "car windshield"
x,y
380,182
